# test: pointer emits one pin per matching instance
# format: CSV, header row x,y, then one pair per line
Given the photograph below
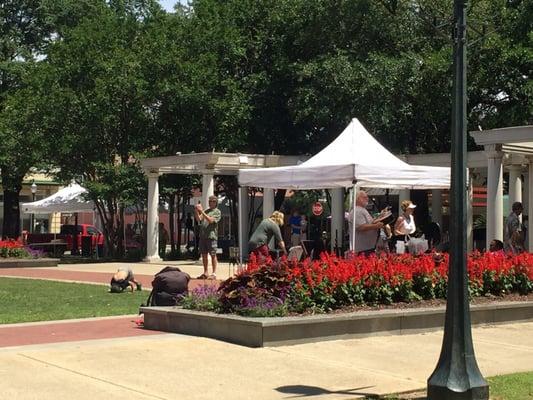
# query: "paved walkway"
x,y
86,277
111,357
101,273
70,331
170,367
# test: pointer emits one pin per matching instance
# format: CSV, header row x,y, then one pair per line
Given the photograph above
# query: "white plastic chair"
x,y
295,253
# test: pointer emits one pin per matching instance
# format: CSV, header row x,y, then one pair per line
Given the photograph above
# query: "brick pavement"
x,y
67,331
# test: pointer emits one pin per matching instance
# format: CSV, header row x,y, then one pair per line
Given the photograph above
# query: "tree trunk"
x,y
11,224
12,186
121,237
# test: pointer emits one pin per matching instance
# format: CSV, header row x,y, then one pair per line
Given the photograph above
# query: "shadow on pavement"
x,y
308,391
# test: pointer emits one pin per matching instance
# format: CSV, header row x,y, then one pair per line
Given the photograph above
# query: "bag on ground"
x,y
168,287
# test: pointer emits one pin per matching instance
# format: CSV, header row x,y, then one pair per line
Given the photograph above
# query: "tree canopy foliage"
x,y
102,83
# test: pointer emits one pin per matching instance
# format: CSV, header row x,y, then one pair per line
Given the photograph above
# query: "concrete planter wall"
x,y
260,332
28,262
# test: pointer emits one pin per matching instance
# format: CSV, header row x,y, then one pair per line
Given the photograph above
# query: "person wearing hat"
x,y
405,223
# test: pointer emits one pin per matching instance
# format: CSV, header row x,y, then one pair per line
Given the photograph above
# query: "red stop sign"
x,y
317,208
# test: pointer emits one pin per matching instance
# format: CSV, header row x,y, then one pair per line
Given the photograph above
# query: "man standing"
x,y
208,221
296,228
366,228
513,233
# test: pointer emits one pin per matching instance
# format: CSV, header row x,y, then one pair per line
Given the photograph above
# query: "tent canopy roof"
x,y
354,156
68,199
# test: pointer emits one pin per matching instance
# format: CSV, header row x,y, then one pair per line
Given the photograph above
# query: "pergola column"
x,y
243,222
515,184
208,188
268,202
530,204
525,205
494,193
152,220
525,193
436,206
337,217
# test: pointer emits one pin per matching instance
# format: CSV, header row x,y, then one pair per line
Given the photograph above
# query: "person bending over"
x,y
122,279
269,227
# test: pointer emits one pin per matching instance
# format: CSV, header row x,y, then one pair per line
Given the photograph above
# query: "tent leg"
x,y
240,225
354,197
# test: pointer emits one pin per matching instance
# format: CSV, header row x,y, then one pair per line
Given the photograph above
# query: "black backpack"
x,y
168,287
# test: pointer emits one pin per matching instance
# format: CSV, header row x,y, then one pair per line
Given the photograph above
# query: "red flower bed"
x,y
333,282
12,248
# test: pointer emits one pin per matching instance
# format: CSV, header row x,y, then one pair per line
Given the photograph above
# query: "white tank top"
x,y
408,226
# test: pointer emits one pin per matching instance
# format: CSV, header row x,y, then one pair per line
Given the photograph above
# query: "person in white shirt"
x,y
405,223
366,227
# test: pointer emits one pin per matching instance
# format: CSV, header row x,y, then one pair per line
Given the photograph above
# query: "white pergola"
x,y
208,165
504,148
512,148
508,149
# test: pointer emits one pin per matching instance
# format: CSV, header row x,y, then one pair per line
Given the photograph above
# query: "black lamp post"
x,y
33,189
457,375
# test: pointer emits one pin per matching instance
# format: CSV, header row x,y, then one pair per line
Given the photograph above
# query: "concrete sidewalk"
x,y
182,367
101,272
193,268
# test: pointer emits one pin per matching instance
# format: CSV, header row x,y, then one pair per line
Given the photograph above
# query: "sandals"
x,y
212,277
203,276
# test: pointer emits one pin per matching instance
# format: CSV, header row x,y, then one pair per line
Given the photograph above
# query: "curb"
x,y
281,331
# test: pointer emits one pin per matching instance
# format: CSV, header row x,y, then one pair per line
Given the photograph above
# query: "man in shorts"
x,y
208,221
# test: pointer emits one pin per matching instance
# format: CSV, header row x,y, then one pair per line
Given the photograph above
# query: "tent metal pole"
x,y
354,196
240,225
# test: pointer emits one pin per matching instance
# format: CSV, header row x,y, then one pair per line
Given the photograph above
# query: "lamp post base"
x,y
445,393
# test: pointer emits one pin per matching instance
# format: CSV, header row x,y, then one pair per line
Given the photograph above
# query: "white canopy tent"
x,y
354,156
355,159
68,199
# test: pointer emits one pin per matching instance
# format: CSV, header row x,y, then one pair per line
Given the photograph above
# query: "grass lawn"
x,y
504,387
29,300
512,387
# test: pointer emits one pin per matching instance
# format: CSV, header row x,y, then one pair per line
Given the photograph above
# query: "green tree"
x,y
25,31
103,116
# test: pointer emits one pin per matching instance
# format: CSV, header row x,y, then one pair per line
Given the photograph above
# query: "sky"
x,y
169,4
